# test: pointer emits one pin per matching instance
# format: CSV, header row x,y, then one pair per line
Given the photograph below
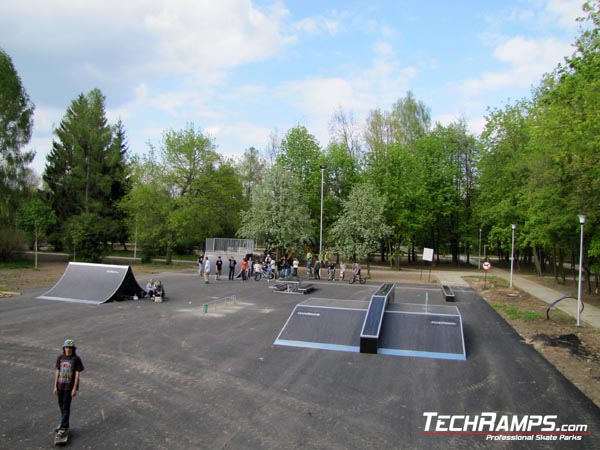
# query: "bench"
x,y
448,293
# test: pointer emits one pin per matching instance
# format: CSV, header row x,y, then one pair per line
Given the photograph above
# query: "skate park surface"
x,y
170,376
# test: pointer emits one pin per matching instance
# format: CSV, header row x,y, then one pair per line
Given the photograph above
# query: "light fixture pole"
x,y
321,222
479,262
512,254
582,218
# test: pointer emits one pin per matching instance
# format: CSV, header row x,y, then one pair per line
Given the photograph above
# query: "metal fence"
x,y
241,246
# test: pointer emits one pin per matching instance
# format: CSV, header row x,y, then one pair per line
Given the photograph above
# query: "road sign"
x,y
487,265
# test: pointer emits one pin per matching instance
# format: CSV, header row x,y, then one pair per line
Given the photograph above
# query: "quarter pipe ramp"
x,y
94,284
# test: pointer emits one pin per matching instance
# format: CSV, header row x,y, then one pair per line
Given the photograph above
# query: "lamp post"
x,y
512,254
582,218
479,262
321,222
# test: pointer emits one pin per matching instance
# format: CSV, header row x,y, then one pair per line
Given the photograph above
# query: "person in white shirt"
x,y
206,269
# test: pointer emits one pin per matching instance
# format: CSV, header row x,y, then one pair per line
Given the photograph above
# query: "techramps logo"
x,y
504,427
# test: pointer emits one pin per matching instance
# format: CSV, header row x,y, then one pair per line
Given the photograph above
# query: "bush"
x,y
85,234
10,243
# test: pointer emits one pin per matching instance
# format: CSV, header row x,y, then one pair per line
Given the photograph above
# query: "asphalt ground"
x,y
169,376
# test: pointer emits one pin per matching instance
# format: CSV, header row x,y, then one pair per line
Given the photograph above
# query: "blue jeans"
x,y
64,403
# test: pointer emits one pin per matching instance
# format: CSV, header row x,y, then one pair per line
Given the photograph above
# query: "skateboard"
x,y
61,440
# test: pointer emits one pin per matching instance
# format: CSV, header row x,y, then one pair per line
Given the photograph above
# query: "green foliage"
x,y
301,156
86,171
279,214
10,243
38,218
250,169
361,227
85,235
183,193
516,313
16,123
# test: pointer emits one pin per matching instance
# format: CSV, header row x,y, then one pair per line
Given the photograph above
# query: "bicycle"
x,y
268,274
356,277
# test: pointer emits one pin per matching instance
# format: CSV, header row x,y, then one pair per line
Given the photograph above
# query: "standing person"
x,y
199,262
206,269
317,270
219,265
295,266
250,267
66,383
331,271
342,270
244,269
232,263
267,266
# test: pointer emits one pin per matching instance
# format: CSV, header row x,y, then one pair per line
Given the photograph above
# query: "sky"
x,y
241,70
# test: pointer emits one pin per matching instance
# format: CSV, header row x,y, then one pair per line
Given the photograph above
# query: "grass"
x,y
491,281
515,313
17,265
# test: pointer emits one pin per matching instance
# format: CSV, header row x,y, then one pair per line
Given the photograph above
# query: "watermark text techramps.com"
x,y
504,427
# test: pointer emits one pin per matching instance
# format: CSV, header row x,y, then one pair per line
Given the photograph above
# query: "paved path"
x,y
589,316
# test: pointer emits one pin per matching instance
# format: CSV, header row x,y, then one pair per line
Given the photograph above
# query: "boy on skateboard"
x,y
66,383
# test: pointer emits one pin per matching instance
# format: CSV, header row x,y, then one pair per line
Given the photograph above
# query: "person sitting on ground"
x,y
159,290
150,288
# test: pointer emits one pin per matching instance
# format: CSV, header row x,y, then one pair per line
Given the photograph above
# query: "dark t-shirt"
x,y
67,366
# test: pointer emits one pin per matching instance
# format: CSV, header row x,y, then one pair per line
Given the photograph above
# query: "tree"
x,y
182,193
361,226
250,168
301,155
278,216
344,131
411,120
86,171
37,217
16,123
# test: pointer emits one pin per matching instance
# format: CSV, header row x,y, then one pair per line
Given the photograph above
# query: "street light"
x,y
321,223
582,218
512,254
479,262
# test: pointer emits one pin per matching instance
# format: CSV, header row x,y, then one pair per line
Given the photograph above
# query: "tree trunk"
x,y
536,260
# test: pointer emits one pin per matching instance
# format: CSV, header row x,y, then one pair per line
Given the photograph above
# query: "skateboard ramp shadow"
x,y
94,284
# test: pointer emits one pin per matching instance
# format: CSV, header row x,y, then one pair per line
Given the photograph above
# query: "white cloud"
x,y
567,11
526,59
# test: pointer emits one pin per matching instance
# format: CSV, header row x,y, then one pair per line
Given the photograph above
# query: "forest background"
x,y
388,187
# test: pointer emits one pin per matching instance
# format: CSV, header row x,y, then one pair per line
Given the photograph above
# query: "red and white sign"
x,y
486,265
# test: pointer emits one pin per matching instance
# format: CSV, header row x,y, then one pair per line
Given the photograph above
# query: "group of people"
x,y
271,268
155,289
205,267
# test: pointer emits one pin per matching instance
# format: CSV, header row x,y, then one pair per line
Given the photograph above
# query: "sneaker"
x,y
57,428
61,432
